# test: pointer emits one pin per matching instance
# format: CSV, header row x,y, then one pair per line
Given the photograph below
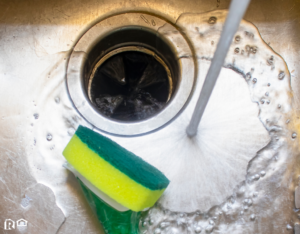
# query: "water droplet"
x,y
248,76
252,217
294,135
212,42
262,173
209,228
246,208
57,100
267,121
255,194
267,94
151,222
242,212
281,75
164,224
254,80
252,69
36,115
248,48
249,34
257,176
270,61
279,106
237,38
268,102
157,231
144,224
253,50
289,227
269,84
211,222
212,20
237,50
249,202
49,137
198,229
262,101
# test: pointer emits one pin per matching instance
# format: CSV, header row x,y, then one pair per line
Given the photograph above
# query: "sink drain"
x,y
127,76
130,84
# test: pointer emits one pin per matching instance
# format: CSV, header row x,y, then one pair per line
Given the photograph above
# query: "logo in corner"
x,y
9,224
22,223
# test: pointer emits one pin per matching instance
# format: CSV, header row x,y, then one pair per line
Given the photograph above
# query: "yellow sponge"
x,y
120,174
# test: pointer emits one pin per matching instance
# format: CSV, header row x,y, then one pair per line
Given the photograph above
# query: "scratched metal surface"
x,y
35,40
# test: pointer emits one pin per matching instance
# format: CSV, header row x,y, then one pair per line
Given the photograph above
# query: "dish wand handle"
x,y
236,12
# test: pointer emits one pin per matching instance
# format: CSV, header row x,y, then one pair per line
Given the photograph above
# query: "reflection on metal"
x,y
39,37
23,197
42,202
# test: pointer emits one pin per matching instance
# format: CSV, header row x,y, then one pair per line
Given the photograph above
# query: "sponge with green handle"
x,y
118,173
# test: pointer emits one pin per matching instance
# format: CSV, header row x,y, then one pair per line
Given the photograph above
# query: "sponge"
x,y
118,173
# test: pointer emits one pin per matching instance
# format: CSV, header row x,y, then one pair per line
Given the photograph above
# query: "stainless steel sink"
x,y
38,114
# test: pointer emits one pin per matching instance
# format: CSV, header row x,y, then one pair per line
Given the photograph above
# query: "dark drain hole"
x,y
130,86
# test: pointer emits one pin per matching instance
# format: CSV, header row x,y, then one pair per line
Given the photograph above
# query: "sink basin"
x,y
40,113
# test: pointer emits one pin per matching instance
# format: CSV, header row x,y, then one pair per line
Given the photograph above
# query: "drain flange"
x,y
111,38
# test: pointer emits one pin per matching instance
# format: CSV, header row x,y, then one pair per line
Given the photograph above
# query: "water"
x,y
49,137
268,80
236,155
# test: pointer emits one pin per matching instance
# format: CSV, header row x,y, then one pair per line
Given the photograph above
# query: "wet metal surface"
x,y
37,119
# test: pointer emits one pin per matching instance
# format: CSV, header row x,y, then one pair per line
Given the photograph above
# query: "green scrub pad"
x,y
123,176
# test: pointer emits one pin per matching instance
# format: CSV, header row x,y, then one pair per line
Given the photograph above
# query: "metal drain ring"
x,y
84,57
